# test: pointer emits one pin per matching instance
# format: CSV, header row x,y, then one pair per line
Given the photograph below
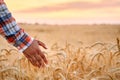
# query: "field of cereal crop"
x,y
75,52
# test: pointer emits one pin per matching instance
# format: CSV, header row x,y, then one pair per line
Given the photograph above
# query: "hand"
x,y
35,55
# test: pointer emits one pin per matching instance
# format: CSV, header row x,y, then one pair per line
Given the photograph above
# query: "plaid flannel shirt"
x,y
11,31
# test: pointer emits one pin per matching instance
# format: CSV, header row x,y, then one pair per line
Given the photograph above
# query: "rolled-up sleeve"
x,y
11,31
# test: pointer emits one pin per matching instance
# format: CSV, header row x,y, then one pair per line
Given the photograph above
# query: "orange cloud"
x,y
74,6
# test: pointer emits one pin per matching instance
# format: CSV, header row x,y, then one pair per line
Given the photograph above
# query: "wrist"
x,y
26,46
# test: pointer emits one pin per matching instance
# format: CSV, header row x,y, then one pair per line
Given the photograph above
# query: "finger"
x,y
40,60
32,60
43,57
42,44
36,63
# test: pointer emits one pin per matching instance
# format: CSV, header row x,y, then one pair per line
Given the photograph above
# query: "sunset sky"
x,y
65,11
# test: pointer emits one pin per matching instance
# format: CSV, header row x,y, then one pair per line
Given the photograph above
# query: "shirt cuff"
x,y
26,46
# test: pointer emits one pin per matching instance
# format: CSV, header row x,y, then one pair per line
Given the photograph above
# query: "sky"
x,y
65,11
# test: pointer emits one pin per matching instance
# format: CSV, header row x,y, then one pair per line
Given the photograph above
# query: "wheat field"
x,y
75,52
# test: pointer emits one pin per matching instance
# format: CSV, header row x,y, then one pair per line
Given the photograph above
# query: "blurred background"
x,y
66,11
72,21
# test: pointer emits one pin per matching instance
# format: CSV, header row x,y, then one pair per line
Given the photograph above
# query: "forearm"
x,y
11,31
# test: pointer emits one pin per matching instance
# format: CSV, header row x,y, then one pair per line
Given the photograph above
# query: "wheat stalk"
x,y
118,45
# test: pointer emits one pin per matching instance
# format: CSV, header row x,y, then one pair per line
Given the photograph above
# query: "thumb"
x,y
42,44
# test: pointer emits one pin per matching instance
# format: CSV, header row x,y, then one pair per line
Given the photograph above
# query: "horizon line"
x,y
67,22
70,24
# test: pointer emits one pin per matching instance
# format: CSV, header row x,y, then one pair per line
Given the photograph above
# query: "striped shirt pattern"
x,y
11,31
